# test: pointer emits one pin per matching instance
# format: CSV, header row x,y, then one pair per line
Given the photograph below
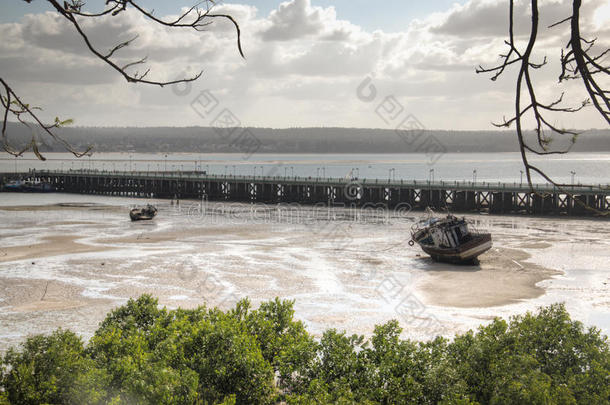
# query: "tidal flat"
x,y
66,260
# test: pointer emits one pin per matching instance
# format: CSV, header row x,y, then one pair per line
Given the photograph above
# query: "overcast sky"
x,y
305,60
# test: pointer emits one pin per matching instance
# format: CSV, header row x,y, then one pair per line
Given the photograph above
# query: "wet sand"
x,y
503,276
61,207
38,295
83,262
51,246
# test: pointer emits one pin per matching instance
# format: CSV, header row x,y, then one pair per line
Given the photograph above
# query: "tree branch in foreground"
x,y
196,18
18,109
576,64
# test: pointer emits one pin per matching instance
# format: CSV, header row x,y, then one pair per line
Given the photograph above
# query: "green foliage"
x,y
284,342
180,357
142,354
542,358
229,361
140,314
52,370
61,123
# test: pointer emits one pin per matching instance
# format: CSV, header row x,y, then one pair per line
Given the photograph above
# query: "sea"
x,y
583,168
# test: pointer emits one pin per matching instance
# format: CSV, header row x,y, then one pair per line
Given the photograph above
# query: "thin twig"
x,y
585,67
71,10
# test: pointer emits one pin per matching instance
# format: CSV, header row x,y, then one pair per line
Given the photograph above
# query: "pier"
x,y
457,196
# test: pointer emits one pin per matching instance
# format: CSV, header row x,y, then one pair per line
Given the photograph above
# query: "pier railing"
x,y
462,185
496,197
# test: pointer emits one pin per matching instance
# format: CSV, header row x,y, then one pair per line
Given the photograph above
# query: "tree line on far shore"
x,y
293,140
143,354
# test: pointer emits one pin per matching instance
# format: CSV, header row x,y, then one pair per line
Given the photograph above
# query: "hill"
x,y
293,140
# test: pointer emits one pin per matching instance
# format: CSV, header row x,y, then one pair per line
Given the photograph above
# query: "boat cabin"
x,y
446,233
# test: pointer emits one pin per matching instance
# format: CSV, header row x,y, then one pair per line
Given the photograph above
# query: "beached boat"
x,y
449,239
143,213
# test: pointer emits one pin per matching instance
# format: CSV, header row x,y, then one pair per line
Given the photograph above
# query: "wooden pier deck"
x,y
500,198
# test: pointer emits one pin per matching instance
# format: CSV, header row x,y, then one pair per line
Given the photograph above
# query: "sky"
x,y
308,63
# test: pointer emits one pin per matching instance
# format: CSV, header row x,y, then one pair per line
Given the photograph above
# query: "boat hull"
x,y
137,215
465,253
29,188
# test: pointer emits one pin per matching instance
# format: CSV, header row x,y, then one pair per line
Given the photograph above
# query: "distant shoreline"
x,y
296,140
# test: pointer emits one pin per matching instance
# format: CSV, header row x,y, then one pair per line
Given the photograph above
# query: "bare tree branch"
x,y
195,18
575,64
583,61
120,46
19,110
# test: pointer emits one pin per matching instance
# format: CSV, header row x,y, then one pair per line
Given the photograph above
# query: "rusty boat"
x,y
449,239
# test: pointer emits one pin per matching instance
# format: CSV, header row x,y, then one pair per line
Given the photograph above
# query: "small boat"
x,y
29,186
15,185
449,239
143,213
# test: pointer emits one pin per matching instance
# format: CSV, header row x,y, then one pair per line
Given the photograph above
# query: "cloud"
x,y
489,18
302,67
477,18
295,19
